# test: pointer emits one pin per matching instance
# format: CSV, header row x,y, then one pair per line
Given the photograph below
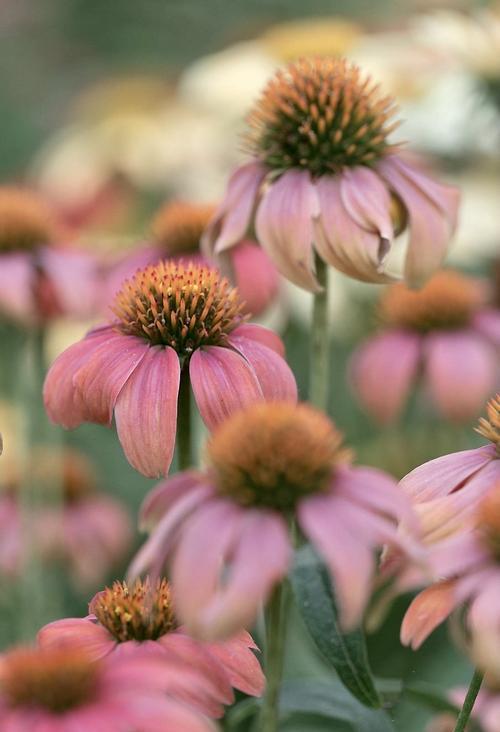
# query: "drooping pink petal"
x,y
461,371
105,372
275,377
342,242
256,277
428,610
484,613
382,371
73,274
432,211
146,412
153,713
164,496
16,282
367,201
458,555
223,382
232,219
487,322
241,665
284,227
265,336
443,475
96,640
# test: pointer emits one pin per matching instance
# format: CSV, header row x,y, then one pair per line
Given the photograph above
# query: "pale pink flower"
x,y
63,689
325,181
444,336
39,278
124,619
176,233
86,530
226,529
173,321
486,711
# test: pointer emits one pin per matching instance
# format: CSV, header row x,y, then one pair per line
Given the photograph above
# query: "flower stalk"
x,y
276,616
320,346
468,705
184,423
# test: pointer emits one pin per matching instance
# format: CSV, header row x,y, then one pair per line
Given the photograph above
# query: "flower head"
x,y
444,335
267,464
326,180
26,222
489,426
170,318
178,227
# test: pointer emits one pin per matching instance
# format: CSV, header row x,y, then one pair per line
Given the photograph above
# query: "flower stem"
x,y
276,613
184,422
469,700
320,346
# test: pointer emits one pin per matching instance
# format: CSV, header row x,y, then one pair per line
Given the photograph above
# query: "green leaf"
x,y
430,697
345,652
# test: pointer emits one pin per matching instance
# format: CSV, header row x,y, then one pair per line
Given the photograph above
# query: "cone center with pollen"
x,y
177,305
26,223
447,302
139,613
489,521
178,226
320,114
273,455
489,426
57,679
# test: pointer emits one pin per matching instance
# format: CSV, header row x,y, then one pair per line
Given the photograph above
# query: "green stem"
x,y
320,346
184,446
469,700
276,612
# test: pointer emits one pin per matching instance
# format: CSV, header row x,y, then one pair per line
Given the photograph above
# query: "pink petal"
x,y
257,278
284,227
428,610
16,282
443,475
232,218
96,640
487,322
73,275
154,713
462,372
240,663
162,498
223,382
382,372
342,242
432,211
101,378
367,201
275,377
263,335
146,412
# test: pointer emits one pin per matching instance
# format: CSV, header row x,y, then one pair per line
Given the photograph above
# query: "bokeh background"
x,y
110,108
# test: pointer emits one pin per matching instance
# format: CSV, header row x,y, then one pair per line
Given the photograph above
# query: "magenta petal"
x,y
263,335
367,200
382,372
284,227
162,498
16,282
462,372
146,412
275,377
487,322
73,274
257,278
95,639
223,382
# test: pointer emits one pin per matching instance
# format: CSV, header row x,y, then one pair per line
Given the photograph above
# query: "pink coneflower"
x,y
176,233
63,689
325,180
39,279
173,321
124,619
457,499
444,335
74,523
266,465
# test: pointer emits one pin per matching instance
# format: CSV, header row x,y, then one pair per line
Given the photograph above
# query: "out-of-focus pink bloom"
x,y
486,711
176,233
125,619
444,335
227,530
64,689
173,321
84,529
325,181
40,279
457,501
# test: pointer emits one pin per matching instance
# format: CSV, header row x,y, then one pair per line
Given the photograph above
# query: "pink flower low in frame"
x,y
173,322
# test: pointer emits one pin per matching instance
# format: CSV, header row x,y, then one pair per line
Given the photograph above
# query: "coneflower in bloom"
x,y
266,465
171,320
176,233
64,688
325,179
444,335
74,523
141,616
457,501
39,278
